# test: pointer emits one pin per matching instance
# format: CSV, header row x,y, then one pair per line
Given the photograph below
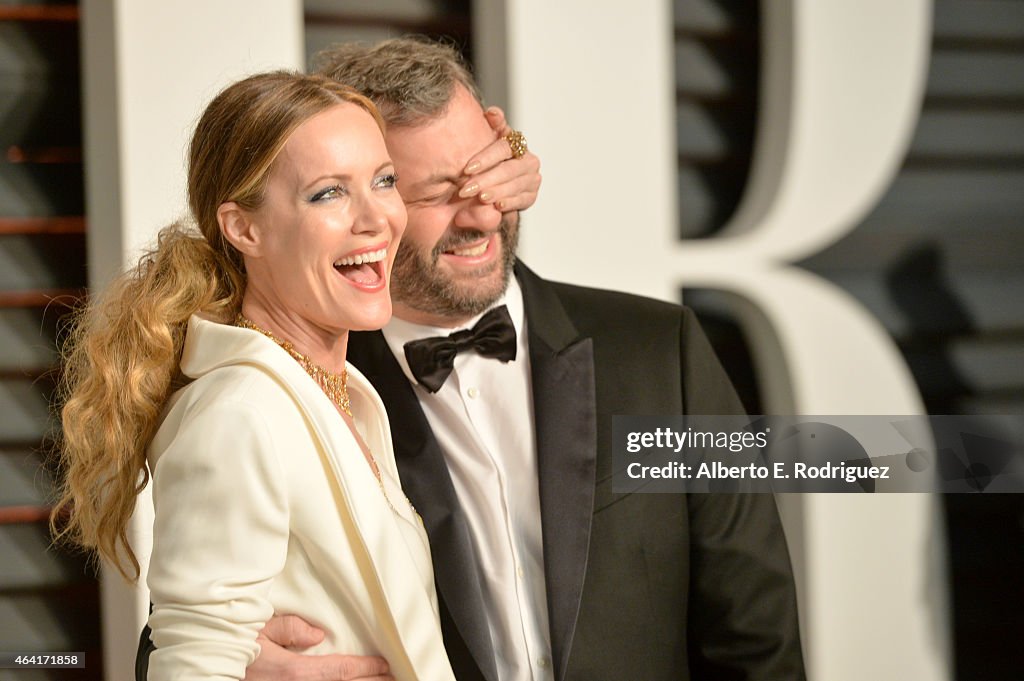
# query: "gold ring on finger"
x,y
517,143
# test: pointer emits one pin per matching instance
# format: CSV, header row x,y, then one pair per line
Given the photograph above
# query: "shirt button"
x,y
543,663
472,392
520,572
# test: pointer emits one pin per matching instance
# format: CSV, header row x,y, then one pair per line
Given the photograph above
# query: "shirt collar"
x,y
398,332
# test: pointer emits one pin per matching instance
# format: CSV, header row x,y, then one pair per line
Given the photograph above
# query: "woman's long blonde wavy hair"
x,y
121,357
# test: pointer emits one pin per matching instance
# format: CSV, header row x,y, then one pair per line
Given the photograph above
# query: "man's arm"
x,y
277,660
743,614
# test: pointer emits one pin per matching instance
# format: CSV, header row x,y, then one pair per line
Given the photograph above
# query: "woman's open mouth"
x,y
365,270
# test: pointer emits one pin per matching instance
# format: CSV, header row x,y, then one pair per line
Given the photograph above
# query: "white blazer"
x,y
265,504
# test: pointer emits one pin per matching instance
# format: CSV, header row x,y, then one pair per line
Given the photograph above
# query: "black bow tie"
x,y
432,359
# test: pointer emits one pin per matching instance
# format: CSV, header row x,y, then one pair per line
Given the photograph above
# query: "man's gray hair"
x,y
409,79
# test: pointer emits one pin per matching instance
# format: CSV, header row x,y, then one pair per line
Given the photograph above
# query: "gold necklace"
x,y
335,386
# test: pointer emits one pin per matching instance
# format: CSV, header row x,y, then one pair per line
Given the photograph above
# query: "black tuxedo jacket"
x,y
640,586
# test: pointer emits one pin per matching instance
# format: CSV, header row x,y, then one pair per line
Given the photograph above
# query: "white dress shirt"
x,y
482,418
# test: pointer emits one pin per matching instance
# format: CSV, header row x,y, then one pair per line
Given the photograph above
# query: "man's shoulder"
x,y
597,308
638,337
601,300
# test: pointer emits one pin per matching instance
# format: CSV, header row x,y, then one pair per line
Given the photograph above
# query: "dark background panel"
x,y
49,598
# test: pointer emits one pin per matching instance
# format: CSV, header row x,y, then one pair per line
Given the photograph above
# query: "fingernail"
x,y
469,190
472,168
500,205
486,196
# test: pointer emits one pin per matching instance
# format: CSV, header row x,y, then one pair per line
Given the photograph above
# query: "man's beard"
x,y
417,282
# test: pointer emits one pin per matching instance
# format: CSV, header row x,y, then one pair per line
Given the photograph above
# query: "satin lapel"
x,y
427,483
565,413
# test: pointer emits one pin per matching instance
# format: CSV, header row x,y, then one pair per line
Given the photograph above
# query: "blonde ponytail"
x,y
120,360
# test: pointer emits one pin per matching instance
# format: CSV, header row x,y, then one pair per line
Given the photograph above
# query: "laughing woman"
x,y
220,360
